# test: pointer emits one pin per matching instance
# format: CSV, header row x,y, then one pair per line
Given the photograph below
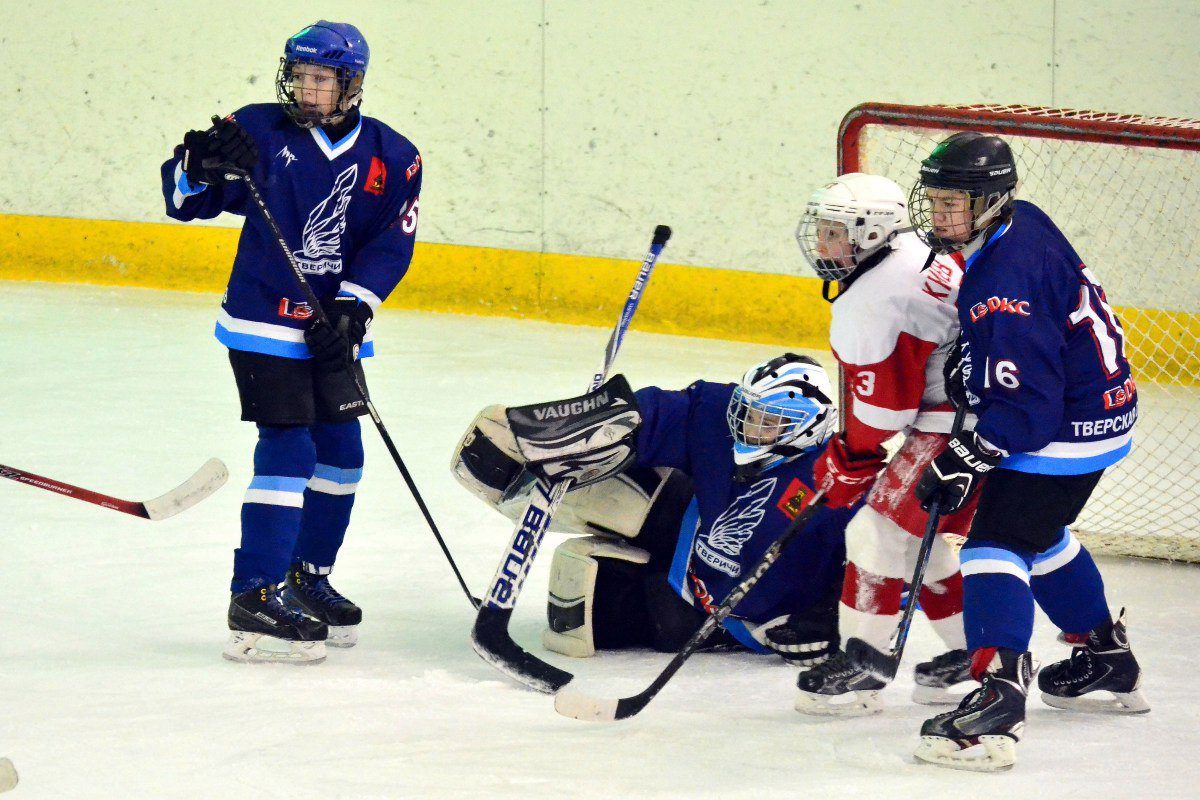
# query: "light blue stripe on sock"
x,y
279,483
338,475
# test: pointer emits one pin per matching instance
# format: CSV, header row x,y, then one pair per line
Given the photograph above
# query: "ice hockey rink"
x,y
111,680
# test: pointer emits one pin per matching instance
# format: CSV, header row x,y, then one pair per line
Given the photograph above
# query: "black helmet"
x,y
980,165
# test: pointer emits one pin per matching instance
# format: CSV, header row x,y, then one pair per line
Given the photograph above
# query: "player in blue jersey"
x,y
344,189
1042,364
720,470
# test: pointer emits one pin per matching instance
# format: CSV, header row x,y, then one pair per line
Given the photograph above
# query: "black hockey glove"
x,y
207,155
351,317
585,439
955,380
329,346
807,638
952,477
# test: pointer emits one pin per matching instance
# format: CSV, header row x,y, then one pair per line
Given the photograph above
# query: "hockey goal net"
x,y
1125,189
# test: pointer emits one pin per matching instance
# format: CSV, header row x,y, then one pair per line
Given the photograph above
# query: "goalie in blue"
x,y
344,189
710,478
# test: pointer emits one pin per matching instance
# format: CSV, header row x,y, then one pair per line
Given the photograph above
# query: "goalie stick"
x,y
490,636
581,706
207,480
883,666
319,312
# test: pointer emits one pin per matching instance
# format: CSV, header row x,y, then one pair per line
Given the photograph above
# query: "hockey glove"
x,y
955,475
329,347
807,638
955,380
846,476
351,317
585,439
207,155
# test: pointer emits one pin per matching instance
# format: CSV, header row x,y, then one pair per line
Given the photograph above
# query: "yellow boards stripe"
x,y
583,290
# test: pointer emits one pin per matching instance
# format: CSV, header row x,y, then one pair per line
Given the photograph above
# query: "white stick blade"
x,y
8,775
577,705
208,479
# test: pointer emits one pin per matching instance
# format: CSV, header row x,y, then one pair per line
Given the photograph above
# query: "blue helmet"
x,y
781,408
337,45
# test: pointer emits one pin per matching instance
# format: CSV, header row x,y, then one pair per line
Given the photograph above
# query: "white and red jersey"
x,y
891,332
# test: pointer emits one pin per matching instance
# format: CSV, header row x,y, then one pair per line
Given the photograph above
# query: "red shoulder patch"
x,y
376,177
794,498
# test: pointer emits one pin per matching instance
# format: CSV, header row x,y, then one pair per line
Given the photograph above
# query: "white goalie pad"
x,y
617,505
486,455
572,591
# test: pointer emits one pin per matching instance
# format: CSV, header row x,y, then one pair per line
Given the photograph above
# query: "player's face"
x,y
951,212
833,243
316,89
760,428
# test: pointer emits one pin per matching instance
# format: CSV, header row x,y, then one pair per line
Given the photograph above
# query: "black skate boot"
x,y
981,734
263,628
936,679
838,688
314,595
1101,663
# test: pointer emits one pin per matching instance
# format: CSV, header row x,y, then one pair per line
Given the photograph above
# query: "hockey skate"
x,y
937,679
1101,663
316,597
837,688
981,734
264,629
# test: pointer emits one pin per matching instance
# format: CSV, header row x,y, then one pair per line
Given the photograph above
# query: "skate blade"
x,y
942,695
257,648
993,753
851,704
342,636
1118,703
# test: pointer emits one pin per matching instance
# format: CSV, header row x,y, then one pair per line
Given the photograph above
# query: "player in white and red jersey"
x,y
894,322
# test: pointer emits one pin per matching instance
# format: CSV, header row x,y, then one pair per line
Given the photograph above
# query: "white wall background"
x,y
569,126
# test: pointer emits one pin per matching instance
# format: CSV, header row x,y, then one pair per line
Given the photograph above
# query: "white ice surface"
x,y
111,681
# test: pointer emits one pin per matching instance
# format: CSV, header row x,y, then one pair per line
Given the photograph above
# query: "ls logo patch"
x,y
794,498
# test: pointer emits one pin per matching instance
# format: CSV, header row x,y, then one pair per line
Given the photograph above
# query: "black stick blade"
x,y
881,666
661,234
493,644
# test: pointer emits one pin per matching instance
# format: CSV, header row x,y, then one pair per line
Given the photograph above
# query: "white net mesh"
x,y
1125,190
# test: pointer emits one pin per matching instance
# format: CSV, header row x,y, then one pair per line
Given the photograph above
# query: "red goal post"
x,y
1125,189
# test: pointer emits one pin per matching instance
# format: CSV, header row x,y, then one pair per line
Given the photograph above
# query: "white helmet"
x,y
781,408
862,211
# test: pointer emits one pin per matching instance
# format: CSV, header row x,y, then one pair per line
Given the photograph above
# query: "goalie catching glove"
x,y
584,439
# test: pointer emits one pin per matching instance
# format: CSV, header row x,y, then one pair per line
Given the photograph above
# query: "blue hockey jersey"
x,y
1047,376
348,210
729,525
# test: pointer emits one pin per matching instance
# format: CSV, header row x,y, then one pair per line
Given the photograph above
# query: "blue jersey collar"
x,y
969,260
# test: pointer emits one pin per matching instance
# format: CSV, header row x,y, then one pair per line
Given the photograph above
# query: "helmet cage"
x,y
349,83
869,226
985,209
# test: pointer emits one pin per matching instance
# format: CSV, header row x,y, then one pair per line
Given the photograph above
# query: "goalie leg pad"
x,y
573,578
487,458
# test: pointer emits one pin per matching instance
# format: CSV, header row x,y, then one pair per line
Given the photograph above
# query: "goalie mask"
x,y
849,221
321,73
965,192
781,409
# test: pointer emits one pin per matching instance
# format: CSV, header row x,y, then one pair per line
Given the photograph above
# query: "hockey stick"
x,y
207,480
319,312
490,636
883,666
576,704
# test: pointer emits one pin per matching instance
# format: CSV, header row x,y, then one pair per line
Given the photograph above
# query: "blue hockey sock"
x,y
283,463
329,497
1068,587
997,600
